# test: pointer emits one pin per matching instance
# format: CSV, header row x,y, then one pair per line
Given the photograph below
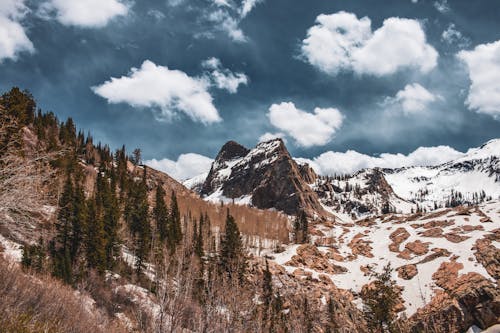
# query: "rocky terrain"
x,y
265,177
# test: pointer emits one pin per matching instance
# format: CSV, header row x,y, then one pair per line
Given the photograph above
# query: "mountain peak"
x,y
231,150
265,176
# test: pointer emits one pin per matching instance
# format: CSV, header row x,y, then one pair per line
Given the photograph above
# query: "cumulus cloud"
x,y
307,129
169,91
269,136
223,78
229,14
84,13
413,98
247,6
442,6
13,38
483,65
330,163
341,41
186,166
452,36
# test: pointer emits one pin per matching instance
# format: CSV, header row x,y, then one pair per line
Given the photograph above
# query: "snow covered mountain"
x,y
267,177
471,179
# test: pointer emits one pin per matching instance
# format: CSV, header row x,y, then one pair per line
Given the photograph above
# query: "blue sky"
x,y
180,76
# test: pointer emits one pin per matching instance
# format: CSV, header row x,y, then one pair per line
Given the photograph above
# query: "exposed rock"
x,y
398,237
360,246
417,247
447,274
438,252
308,256
442,224
455,238
407,272
433,232
267,173
488,256
470,300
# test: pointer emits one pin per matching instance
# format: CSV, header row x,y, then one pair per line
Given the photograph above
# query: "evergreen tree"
x,y
174,228
61,249
198,241
267,293
137,217
95,238
160,213
109,208
331,325
232,257
379,302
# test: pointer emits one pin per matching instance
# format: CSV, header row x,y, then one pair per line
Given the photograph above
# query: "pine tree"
x,y
61,246
137,217
160,213
174,228
232,257
95,238
267,293
379,302
198,241
331,325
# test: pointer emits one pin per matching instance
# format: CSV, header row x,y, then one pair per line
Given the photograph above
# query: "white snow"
x,y
419,290
12,250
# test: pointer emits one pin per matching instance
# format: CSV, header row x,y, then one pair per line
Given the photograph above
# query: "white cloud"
x,y
153,86
307,129
228,23
483,64
223,78
228,16
442,6
413,98
269,136
330,163
186,166
341,41
247,6
84,13
452,36
13,38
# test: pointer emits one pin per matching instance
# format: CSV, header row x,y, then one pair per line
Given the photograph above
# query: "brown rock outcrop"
x,y
308,256
488,256
407,272
398,237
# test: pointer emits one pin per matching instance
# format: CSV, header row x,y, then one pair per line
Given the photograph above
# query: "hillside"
x,y
268,245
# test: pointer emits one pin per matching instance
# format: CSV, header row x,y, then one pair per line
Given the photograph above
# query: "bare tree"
x,y
23,176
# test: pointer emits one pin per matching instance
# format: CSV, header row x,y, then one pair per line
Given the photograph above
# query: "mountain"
x,y
123,247
473,178
268,177
265,177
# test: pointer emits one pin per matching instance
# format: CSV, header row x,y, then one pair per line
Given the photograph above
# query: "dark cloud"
x,y
68,60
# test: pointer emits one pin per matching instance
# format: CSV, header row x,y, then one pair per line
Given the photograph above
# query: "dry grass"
x,y
42,304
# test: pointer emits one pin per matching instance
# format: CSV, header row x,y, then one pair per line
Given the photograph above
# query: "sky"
x,y
346,84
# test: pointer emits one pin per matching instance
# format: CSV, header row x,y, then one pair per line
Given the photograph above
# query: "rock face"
x,y
467,300
266,174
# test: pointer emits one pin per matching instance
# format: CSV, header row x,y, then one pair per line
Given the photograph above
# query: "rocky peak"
x,y
231,150
265,176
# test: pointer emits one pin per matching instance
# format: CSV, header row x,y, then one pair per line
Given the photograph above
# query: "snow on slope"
x,y
418,290
476,173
